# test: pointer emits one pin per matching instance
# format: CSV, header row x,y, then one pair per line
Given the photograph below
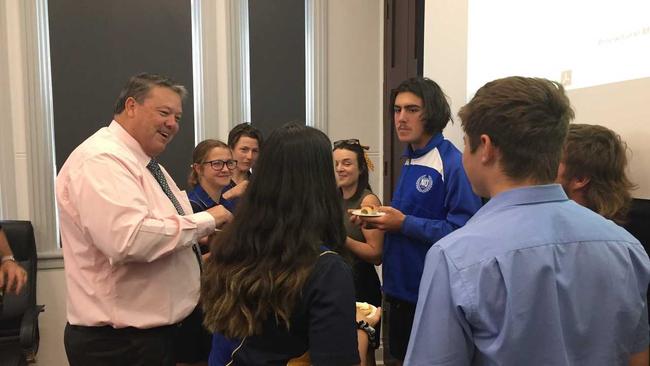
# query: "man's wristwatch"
x,y
370,331
7,258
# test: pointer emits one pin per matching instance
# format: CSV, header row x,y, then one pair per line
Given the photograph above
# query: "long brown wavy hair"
x,y
290,212
598,153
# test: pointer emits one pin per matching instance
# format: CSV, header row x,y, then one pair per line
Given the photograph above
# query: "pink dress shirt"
x,y
127,253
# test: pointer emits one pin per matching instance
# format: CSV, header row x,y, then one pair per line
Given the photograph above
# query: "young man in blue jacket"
x,y
433,198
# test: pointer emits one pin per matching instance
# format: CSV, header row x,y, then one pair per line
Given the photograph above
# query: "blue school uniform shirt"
x,y
532,279
201,201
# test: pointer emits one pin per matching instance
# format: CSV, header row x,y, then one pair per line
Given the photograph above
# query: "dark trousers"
x,y
107,346
399,319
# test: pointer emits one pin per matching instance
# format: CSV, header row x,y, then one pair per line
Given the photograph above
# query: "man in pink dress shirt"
x,y
130,268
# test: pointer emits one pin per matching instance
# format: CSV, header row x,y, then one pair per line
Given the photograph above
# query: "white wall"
x,y
622,107
7,194
355,79
355,68
17,120
354,95
445,55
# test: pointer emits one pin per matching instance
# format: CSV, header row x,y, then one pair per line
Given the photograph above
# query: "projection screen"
x,y
600,51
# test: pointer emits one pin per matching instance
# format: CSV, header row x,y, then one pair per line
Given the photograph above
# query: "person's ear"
x,y
130,106
487,149
579,183
197,169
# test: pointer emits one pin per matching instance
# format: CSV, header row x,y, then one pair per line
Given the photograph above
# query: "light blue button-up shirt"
x,y
532,279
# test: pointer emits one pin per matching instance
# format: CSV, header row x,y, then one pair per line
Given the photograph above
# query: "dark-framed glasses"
x,y
340,143
218,164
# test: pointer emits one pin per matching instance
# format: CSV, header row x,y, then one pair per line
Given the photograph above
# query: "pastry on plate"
x,y
366,309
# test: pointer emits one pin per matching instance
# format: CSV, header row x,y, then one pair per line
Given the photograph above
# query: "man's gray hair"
x,y
138,88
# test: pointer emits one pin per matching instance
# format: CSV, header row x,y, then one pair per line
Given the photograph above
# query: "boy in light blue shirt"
x,y
532,278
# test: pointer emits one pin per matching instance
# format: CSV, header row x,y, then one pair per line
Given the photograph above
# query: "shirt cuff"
x,y
205,224
407,224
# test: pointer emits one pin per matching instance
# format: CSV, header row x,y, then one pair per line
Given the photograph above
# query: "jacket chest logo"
x,y
424,183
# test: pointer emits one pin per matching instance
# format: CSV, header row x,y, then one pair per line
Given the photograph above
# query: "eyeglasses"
x,y
341,143
218,164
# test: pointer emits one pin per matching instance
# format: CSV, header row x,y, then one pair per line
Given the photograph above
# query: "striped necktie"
x,y
157,173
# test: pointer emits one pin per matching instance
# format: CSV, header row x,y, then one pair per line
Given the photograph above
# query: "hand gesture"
x,y
220,214
236,191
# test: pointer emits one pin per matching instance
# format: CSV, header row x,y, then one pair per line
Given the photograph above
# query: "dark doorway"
x,y
403,59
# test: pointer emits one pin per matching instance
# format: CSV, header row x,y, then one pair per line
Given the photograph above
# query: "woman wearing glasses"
x,y
351,165
211,170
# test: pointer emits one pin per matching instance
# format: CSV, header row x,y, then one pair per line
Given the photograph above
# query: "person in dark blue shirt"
x,y
211,170
245,142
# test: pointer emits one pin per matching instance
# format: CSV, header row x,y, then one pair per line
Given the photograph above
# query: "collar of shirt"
x,y
132,144
522,196
203,196
409,153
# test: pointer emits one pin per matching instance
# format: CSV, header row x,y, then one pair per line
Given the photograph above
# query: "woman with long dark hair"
x,y
276,279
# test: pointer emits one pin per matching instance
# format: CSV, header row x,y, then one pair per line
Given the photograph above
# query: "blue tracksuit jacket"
x,y
436,197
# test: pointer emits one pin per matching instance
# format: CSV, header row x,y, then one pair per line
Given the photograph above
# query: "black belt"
x,y
108,329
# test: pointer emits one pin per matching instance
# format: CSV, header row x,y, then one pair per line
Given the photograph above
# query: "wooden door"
x,y
403,59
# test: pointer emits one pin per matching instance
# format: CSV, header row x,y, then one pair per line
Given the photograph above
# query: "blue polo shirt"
x,y
201,201
532,279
